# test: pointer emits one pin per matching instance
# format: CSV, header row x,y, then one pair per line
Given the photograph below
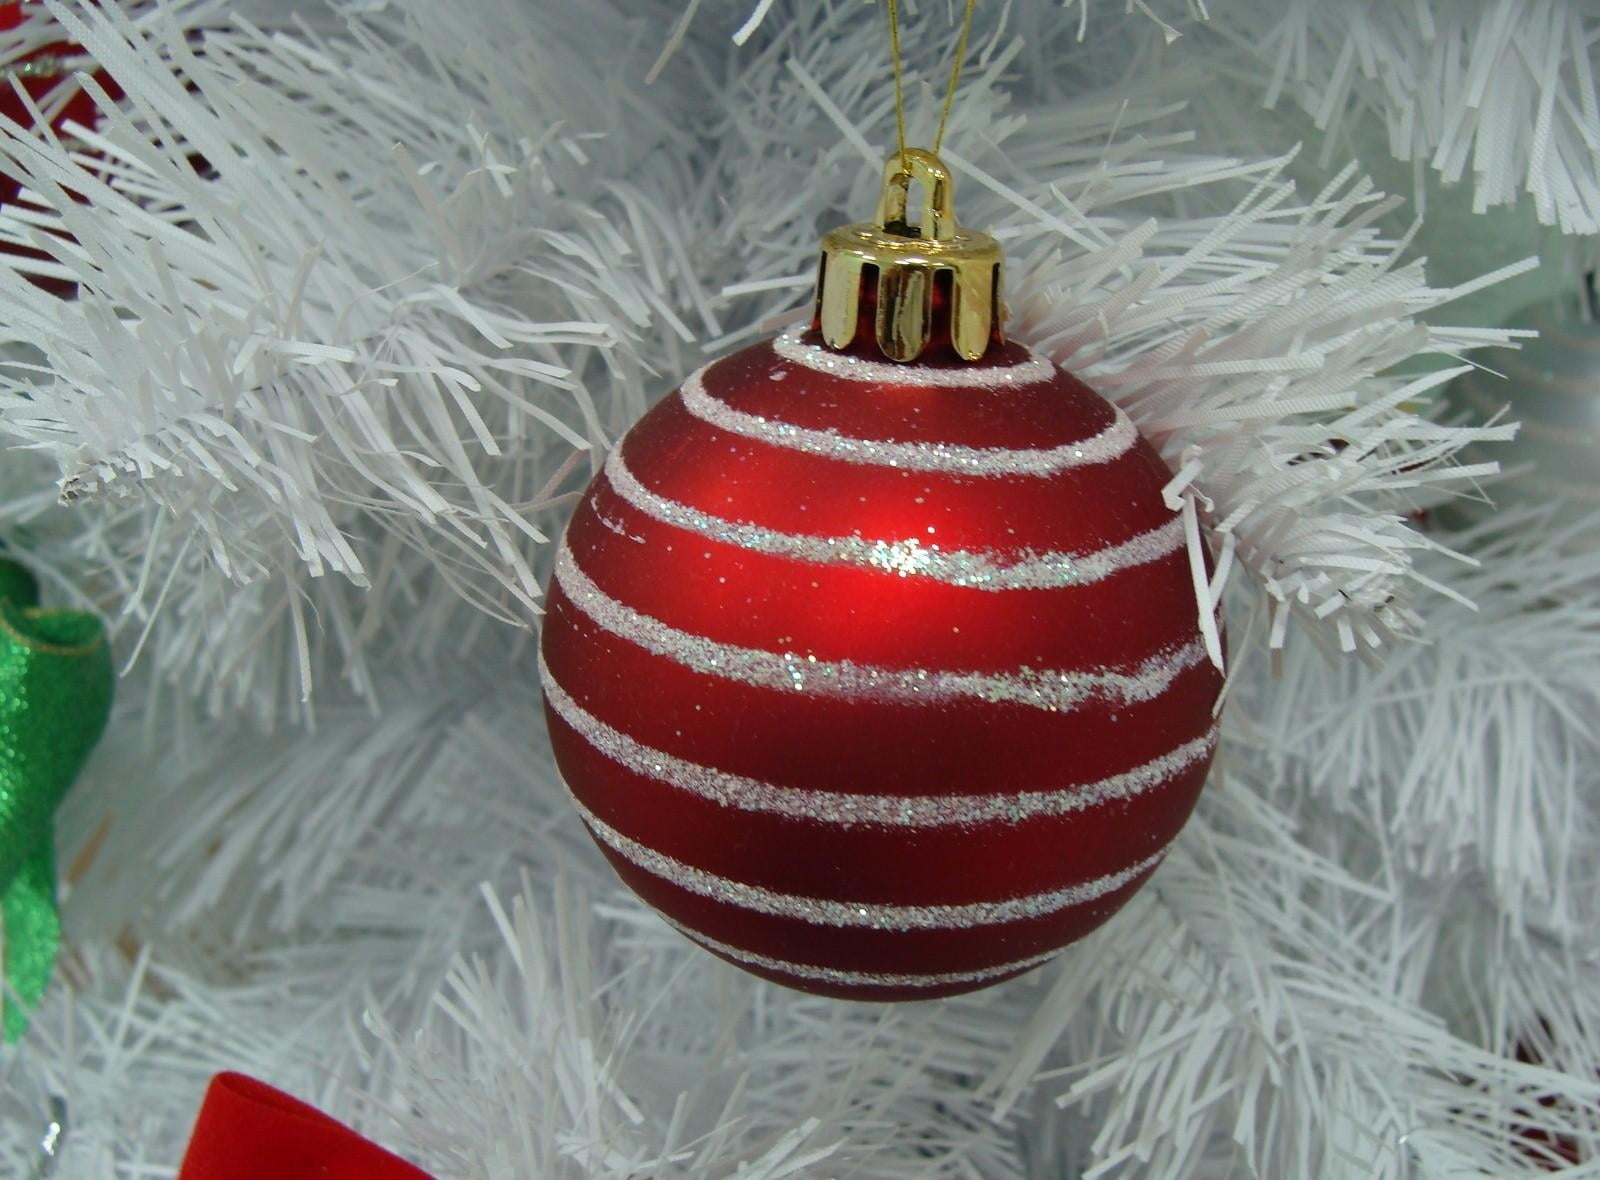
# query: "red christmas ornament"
x,y
1554,1151
881,679
46,75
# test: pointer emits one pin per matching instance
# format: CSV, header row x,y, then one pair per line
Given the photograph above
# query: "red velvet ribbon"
x,y
249,1131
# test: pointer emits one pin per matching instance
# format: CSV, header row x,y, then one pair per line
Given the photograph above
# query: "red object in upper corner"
x,y
249,1131
80,109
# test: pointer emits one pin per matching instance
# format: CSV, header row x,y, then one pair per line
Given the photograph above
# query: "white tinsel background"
x,y
365,291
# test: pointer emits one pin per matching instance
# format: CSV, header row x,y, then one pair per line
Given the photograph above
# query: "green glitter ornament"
x,y
55,695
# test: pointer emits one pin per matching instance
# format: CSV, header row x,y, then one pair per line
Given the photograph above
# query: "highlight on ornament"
x,y
872,657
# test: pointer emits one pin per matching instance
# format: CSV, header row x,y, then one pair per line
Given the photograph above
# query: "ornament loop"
x,y
923,281
939,210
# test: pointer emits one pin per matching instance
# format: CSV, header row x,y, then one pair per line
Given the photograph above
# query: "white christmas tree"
x,y
365,291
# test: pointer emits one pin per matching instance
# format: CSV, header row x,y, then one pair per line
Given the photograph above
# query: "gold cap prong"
x,y
907,262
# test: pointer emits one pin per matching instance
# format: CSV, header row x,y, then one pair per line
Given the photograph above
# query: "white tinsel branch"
x,y
339,317
1477,747
1497,94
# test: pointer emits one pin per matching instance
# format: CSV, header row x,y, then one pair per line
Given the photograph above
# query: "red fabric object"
x,y
10,16
249,1131
881,681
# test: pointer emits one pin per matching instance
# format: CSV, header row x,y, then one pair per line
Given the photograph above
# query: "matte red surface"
x,y
806,740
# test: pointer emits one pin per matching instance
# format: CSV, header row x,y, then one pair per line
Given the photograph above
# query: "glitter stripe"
x,y
839,807
844,978
955,567
1035,369
1113,442
822,911
791,671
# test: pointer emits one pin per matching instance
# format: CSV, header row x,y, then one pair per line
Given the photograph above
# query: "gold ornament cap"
x,y
907,264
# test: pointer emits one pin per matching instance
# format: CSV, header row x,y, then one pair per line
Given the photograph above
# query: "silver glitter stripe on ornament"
x,y
910,558
838,807
1112,443
790,671
857,978
790,347
822,911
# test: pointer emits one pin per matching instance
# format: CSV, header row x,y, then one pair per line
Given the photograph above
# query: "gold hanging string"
x,y
955,73
899,90
899,86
